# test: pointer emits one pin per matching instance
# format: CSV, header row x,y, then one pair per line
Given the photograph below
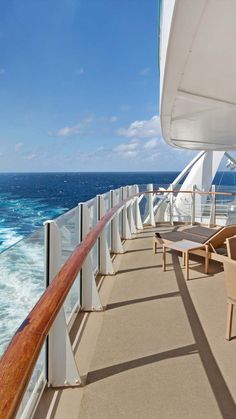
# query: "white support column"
x,y
62,368
151,218
212,220
193,205
90,300
130,212
126,233
138,219
105,263
116,245
171,204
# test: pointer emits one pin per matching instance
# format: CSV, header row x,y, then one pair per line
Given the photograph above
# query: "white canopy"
x,y
198,74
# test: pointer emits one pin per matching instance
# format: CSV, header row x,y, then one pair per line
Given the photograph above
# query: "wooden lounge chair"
x,y
212,239
231,247
230,281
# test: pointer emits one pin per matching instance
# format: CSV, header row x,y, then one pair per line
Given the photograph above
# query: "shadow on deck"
x,y
158,350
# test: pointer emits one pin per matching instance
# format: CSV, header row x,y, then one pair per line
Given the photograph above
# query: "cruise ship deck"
x,y
158,350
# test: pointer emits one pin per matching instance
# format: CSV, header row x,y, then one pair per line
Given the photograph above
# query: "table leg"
x,y
164,257
206,260
184,259
187,264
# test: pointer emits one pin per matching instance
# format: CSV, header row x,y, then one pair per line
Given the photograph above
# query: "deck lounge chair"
x,y
212,239
230,281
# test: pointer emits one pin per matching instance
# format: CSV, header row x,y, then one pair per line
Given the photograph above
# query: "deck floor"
x,y
160,348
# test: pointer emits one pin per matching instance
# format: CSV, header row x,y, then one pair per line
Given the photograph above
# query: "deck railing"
x,y
78,245
18,361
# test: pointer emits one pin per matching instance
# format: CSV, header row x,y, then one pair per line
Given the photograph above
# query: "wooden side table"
x,y
185,247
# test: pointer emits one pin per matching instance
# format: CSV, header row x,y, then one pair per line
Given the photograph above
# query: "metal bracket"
x,y
106,267
116,245
138,218
126,233
150,218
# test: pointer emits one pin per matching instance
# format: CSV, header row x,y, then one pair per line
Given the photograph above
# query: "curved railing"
x,y
18,361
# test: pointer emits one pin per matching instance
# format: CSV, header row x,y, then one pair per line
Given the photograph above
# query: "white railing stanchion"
x,y
150,218
212,220
126,233
130,212
62,368
90,300
193,205
105,263
116,245
171,204
138,218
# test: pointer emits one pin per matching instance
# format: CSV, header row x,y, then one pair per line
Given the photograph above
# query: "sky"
x,y
79,87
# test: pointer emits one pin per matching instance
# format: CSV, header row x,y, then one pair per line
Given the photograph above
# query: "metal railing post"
x,y
126,233
116,245
171,204
130,211
193,205
90,300
151,218
105,263
138,218
212,220
61,365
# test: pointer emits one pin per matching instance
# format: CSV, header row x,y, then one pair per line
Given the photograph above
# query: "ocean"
x,y
26,201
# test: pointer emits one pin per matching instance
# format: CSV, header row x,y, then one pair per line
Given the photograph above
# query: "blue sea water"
x,y
26,201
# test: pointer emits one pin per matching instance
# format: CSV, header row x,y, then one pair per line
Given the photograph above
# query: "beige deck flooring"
x,y
160,347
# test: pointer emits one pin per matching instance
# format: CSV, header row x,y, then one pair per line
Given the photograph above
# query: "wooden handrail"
x,y
18,361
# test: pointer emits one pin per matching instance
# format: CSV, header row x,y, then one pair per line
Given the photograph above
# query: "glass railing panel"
x,y
108,227
118,198
143,203
35,387
93,214
21,283
69,228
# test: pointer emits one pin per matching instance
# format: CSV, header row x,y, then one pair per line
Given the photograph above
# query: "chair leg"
x,y
187,265
206,260
154,245
229,320
164,258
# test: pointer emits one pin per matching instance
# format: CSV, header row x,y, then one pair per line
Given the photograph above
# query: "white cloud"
x,y
142,129
131,146
130,149
69,131
2,71
31,156
154,156
113,118
151,144
18,146
144,72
